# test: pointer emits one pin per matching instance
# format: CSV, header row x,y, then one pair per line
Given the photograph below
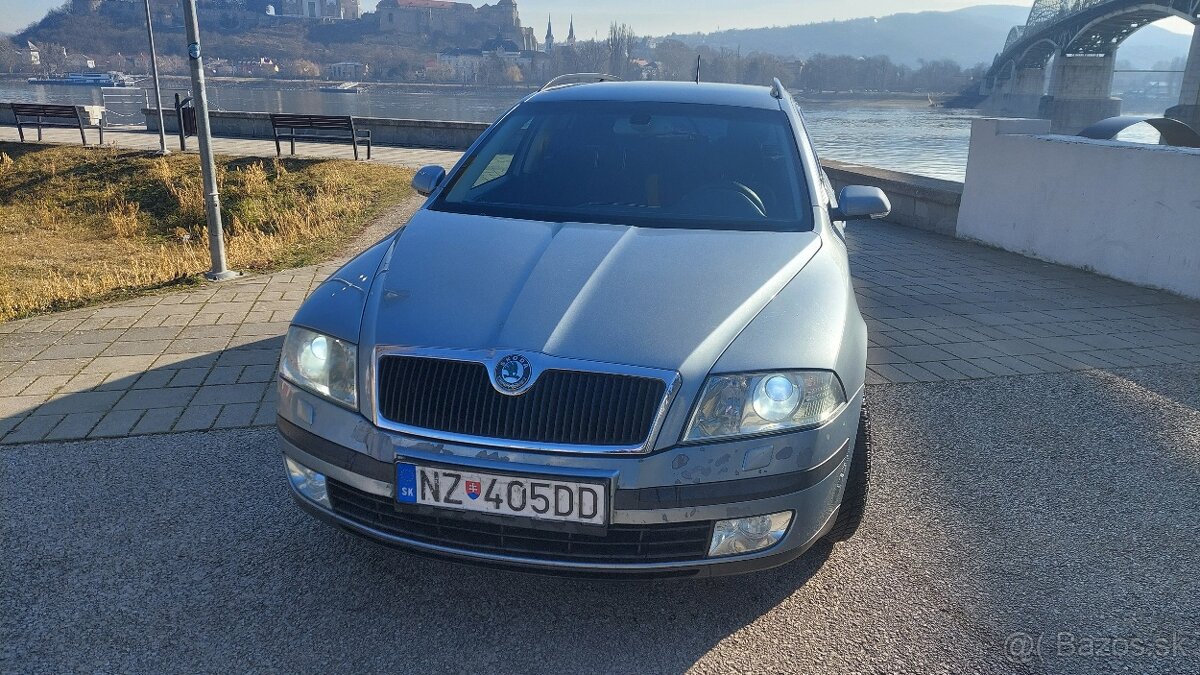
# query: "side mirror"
x,y
859,201
428,179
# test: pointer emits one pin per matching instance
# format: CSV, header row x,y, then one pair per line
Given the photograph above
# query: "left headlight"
x,y
746,404
321,364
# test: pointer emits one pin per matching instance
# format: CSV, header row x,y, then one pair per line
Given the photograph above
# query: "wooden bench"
x,y
321,128
41,115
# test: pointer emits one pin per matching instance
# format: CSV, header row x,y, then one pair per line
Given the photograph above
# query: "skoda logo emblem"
x,y
513,373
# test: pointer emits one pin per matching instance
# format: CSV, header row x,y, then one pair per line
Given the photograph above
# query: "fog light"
x,y
745,535
307,482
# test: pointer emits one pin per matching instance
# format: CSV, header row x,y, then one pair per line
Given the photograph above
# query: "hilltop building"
x,y
320,9
455,21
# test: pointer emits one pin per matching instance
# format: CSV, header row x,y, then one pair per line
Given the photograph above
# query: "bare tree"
x,y
10,58
620,49
593,56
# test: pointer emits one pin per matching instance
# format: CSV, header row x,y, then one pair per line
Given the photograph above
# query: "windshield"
x,y
642,164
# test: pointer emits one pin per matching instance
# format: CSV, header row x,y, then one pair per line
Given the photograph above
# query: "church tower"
x,y
549,35
571,35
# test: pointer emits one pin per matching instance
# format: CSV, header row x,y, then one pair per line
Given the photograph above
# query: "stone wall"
x,y
917,201
440,135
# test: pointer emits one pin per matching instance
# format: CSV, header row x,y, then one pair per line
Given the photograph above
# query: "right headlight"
x,y
747,404
321,364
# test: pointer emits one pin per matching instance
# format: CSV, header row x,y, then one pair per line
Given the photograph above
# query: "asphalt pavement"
x,y
1045,523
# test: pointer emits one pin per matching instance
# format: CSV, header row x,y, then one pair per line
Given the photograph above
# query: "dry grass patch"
x,y
78,225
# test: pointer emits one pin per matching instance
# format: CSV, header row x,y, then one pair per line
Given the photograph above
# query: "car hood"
x,y
660,298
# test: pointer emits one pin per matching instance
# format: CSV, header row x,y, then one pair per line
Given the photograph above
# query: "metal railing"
x,y
1047,14
123,107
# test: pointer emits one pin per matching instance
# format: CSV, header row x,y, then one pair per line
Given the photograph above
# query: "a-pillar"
x,y
1080,93
1019,96
1188,110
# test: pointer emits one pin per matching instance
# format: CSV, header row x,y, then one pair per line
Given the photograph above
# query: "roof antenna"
x,y
698,69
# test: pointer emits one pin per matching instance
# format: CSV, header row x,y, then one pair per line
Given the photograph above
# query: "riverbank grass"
x,y
81,225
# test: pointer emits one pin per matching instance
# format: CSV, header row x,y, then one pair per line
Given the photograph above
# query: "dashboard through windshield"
x,y
640,164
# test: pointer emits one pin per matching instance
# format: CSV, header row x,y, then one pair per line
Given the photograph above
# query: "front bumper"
x,y
362,487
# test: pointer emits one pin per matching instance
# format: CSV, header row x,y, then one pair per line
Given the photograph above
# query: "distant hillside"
x,y
116,40
968,36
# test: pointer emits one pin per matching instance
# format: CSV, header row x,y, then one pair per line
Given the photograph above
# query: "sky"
x,y
649,17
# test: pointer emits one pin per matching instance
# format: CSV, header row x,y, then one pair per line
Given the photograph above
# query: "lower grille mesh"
x,y
677,542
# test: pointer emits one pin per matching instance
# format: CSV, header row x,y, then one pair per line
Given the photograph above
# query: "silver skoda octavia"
x,y
619,338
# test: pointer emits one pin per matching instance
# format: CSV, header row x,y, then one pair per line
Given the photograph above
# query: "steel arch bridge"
x,y
1080,27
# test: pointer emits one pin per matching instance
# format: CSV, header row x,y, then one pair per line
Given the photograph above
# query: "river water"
x,y
904,136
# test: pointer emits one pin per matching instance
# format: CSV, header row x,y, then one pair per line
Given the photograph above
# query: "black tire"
x,y
858,483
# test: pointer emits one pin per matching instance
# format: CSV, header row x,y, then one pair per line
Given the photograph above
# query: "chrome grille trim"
x,y
542,363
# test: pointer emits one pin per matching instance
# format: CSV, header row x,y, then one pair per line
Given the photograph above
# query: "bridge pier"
x,y
1188,110
1080,93
1020,96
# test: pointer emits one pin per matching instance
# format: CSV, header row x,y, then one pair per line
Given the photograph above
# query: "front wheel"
x,y
858,483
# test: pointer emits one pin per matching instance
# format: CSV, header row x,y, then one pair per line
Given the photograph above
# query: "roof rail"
x,y
777,89
578,78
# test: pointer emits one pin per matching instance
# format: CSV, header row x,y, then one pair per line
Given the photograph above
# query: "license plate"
x,y
482,492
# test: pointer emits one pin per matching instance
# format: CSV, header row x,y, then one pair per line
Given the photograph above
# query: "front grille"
x,y
562,407
677,542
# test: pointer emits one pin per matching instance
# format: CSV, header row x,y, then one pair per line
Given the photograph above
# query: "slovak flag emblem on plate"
x,y
474,489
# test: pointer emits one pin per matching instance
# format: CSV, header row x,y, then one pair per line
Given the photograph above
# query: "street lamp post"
x,y
212,197
162,131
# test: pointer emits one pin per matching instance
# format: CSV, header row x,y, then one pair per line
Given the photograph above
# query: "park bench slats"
x,y
290,127
43,115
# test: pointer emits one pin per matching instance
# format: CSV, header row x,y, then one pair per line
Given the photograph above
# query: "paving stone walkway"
x,y
195,360
938,309
943,309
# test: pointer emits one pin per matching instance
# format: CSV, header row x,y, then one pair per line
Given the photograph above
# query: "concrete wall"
x,y
1188,110
917,201
1131,212
384,131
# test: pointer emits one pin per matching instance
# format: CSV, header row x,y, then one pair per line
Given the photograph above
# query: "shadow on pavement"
x,y
1062,507
218,389
181,551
